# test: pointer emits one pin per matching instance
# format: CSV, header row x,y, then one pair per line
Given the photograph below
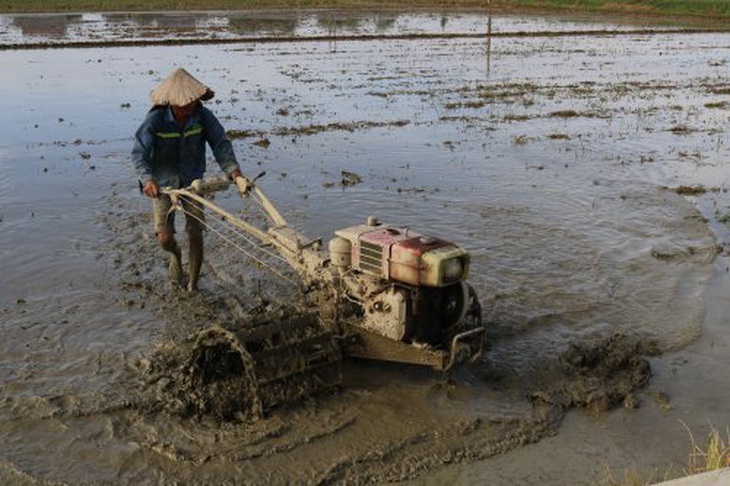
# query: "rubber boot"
x,y
195,260
175,270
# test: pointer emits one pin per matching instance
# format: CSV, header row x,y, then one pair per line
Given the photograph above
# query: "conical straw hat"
x,y
179,89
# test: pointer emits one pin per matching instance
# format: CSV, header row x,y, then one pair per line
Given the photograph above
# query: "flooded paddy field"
x,y
585,172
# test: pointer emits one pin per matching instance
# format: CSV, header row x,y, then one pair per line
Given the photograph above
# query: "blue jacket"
x,y
174,156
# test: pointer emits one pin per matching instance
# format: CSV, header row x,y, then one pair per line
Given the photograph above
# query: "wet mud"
x,y
330,437
590,193
221,422
600,375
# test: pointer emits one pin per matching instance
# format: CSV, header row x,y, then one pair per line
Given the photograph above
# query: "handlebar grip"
x,y
204,186
243,184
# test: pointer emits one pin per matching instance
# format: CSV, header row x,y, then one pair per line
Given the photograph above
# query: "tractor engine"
x,y
410,287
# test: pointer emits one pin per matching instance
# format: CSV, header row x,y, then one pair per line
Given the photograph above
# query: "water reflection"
x,y
50,26
241,24
101,27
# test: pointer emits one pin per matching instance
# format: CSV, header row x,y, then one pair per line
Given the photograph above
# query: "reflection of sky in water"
x,y
35,28
97,96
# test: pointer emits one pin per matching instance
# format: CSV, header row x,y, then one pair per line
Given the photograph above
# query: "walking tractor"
x,y
380,292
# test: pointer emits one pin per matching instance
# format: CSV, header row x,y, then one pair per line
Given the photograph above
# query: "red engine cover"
x,y
393,253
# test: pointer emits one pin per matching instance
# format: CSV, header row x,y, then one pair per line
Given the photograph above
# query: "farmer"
x,y
169,151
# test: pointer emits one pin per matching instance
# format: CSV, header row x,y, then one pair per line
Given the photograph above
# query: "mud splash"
x,y
599,376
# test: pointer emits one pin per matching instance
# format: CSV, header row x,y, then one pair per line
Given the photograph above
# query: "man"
x,y
169,151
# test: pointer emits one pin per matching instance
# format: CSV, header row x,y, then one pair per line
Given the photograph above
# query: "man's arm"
x,y
142,158
222,147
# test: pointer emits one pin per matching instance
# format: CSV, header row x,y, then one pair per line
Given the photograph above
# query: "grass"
x,y
714,454
701,8
713,9
631,478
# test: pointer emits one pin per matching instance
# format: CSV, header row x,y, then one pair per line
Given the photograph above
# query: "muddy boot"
x,y
195,257
175,270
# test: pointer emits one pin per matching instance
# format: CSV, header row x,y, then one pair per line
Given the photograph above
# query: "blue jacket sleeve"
x,y
144,142
216,137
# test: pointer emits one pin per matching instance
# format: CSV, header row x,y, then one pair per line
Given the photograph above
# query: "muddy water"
x,y
553,159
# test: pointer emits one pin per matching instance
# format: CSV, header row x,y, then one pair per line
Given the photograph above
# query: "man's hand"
x,y
243,184
151,189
